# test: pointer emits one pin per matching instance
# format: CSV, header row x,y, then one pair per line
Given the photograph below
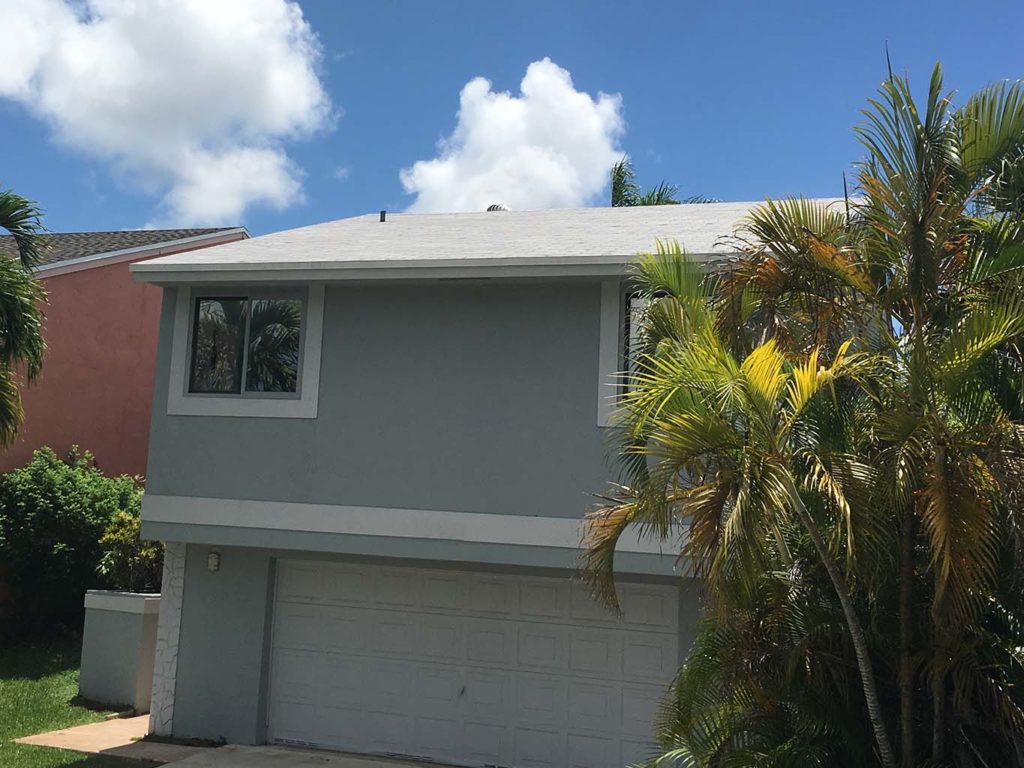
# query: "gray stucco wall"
x,y
466,396
220,674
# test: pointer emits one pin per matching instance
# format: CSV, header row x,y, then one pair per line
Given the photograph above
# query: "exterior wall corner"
x,y
165,667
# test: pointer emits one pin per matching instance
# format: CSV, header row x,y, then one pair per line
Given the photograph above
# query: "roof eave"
x,y
398,269
150,251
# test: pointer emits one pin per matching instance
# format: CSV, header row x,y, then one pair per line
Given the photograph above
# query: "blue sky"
x,y
733,100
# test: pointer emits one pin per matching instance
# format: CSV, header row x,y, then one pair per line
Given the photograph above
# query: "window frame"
x,y
255,294
302,403
611,350
618,338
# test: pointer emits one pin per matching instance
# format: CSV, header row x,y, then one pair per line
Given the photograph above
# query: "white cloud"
x,y
549,147
191,99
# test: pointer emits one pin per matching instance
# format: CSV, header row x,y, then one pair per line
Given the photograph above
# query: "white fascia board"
x,y
399,269
396,269
152,251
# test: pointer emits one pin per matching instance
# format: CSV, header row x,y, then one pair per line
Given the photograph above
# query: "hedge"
x,y
66,527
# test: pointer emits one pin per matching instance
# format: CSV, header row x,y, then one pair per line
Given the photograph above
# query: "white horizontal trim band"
x,y
520,530
122,602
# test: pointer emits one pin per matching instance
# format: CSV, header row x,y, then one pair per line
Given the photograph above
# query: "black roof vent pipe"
x,y
383,215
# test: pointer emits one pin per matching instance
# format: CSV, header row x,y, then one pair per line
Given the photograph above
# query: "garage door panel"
x,y
597,652
539,749
489,695
296,722
466,668
444,591
485,743
388,685
644,606
588,751
396,587
547,599
543,646
584,608
393,635
434,735
294,676
388,732
633,751
490,641
337,725
300,582
541,700
442,637
639,706
343,631
491,595
438,689
594,706
346,585
343,679
300,626
650,656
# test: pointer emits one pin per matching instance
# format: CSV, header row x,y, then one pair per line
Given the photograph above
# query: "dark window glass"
x,y
273,354
218,337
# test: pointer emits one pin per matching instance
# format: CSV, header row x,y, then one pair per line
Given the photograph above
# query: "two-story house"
x,y
373,442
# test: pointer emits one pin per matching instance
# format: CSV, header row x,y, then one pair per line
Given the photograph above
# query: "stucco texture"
x,y
468,397
96,385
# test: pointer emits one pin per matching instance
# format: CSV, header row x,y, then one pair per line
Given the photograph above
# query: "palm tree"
x,y
912,474
731,445
929,258
627,193
21,294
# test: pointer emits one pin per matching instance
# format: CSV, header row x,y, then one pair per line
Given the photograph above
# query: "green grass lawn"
x,y
37,684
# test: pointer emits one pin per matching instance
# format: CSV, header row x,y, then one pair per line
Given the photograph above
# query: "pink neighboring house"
x,y
96,387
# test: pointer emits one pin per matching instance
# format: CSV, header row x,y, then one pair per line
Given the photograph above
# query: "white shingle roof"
x,y
415,244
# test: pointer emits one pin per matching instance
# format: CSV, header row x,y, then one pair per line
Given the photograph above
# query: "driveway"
x,y
283,757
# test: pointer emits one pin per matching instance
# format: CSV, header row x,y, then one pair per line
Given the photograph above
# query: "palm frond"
x,y
24,221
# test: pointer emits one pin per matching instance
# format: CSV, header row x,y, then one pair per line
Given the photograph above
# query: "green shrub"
x,y
129,562
53,513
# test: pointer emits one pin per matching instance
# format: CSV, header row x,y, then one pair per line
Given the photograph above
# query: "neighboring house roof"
x,y
66,248
585,241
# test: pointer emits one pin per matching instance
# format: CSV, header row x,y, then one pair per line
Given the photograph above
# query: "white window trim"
x,y
182,403
609,359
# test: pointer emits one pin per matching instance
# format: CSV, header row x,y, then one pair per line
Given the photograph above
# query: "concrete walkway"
x,y
233,756
118,737
121,737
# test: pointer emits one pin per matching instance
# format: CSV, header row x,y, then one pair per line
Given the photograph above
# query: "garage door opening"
x,y
467,668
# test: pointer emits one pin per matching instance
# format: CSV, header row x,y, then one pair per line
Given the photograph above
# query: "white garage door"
x,y
475,669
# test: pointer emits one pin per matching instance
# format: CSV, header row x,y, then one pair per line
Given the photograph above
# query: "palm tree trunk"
x,y
938,682
939,721
906,672
860,644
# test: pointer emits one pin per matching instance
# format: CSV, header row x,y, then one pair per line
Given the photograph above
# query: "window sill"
x,y
249,407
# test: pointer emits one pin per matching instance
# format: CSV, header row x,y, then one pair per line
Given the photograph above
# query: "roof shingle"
x,y
62,246
468,240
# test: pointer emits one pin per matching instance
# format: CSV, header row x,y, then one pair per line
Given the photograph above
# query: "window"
x,y
245,344
246,352
636,308
622,315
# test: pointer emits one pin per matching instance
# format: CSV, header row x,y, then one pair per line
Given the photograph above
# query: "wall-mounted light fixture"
x,y
213,561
